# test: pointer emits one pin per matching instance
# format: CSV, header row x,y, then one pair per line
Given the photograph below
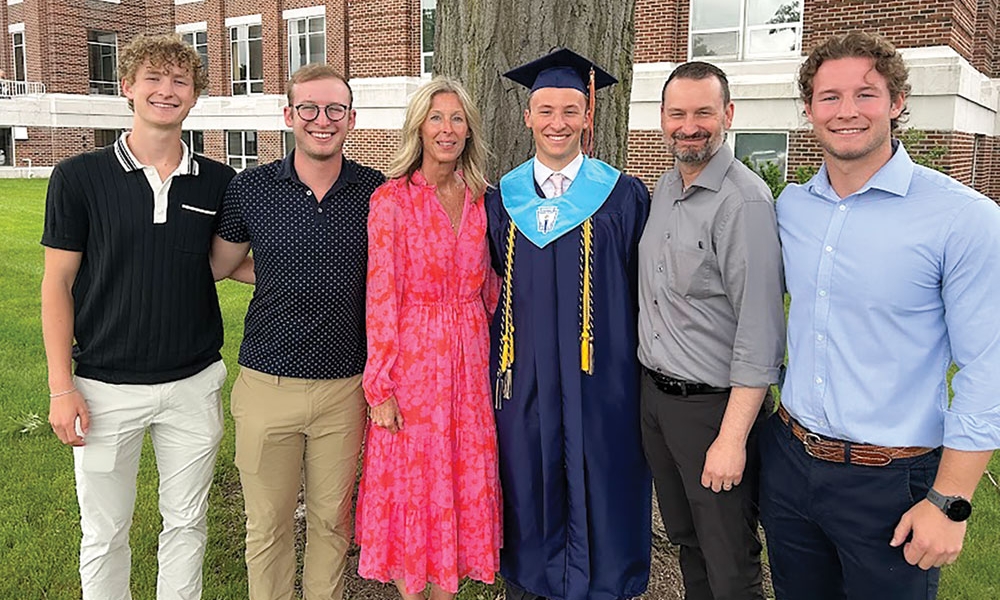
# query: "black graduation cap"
x,y
560,69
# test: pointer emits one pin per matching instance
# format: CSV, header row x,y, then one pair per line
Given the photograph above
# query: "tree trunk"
x,y
477,41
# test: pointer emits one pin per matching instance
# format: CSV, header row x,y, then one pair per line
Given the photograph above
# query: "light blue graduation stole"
x,y
544,220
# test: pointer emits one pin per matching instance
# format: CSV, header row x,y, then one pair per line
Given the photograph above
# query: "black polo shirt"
x,y
307,315
144,301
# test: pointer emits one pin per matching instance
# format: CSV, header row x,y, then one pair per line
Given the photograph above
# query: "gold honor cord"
x,y
586,299
502,391
506,363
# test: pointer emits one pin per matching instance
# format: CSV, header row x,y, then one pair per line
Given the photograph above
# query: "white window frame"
x,y
242,27
242,157
16,29
295,16
426,57
188,136
743,36
117,84
733,135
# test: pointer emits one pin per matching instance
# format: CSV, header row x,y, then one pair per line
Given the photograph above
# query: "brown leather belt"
x,y
839,451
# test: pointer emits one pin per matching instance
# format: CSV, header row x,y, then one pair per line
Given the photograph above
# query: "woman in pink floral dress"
x,y
429,505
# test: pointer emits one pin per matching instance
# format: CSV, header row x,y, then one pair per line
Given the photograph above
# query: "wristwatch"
x,y
955,508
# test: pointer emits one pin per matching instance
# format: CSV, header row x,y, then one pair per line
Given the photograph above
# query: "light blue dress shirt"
x,y
889,286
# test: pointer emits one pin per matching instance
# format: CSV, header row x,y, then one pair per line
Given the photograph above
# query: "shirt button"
x,y
819,336
656,302
829,248
819,380
659,268
309,193
822,293
320,209
667,236
842,207
656,335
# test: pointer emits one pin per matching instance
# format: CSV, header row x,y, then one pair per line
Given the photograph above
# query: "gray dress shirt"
x,y
711,293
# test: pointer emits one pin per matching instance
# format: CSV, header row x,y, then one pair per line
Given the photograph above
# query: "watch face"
x,y
959,509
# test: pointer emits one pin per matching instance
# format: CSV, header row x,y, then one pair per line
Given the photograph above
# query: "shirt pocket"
x,y
195,226
691,270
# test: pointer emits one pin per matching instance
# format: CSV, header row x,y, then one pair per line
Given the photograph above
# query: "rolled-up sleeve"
x,y
750,264
971,289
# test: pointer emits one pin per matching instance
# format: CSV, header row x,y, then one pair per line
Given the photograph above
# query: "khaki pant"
x,y
279,422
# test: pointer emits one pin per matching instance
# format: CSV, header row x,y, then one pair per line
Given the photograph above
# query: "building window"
x,y
306,42
428,10
20,67
760,148
288,141
241,149
746,29
105,137
102,55
247,59
6,148
195,141
199,41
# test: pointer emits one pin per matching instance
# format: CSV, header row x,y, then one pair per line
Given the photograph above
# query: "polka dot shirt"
x,y
307,315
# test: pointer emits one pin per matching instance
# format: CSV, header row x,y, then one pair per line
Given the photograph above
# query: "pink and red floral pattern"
x,y
429,506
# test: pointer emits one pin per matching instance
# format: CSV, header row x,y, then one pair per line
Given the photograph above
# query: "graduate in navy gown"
x,y
564,230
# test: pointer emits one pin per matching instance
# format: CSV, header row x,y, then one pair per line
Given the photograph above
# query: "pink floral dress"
x,y
429,506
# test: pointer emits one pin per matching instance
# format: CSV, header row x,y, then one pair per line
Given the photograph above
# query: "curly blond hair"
x,y
161,50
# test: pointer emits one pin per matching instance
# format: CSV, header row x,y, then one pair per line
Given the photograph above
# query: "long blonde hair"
x,y
410,154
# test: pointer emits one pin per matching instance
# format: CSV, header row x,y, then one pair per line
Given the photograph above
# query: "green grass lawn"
x,y
39,520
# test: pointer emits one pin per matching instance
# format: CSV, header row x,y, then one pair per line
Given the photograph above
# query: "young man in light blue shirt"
x,y
868,471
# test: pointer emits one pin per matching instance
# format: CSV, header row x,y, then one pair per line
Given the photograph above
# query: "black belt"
x,y
679,387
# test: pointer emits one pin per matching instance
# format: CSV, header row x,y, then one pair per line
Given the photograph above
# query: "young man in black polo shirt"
x,y
127,234
298,400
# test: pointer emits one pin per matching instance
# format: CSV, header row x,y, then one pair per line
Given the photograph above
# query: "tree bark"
x,y
476,41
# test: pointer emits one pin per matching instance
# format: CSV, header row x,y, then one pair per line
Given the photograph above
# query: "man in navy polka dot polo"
x,y
298,401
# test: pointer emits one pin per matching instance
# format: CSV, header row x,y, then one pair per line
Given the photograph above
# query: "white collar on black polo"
x,y
128,161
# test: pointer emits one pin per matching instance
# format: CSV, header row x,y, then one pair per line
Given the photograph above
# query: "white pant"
x,y
184,419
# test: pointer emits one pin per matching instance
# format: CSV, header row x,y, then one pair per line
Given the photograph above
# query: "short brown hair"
x,y
312,72
161,50
859,44
698,70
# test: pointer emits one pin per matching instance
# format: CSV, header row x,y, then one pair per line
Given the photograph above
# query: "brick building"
x,y
60,93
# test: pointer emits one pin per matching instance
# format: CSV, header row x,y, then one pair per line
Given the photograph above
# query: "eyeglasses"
x,y
310,112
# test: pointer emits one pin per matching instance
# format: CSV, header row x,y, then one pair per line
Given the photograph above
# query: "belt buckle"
x,y
807,440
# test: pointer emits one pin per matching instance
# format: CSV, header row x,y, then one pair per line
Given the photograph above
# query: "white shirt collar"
x,y
570,171
129,162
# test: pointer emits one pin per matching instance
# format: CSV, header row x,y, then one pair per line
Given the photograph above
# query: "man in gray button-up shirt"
x,y
711,337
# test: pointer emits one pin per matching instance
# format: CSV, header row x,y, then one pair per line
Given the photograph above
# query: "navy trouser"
x,y
828,524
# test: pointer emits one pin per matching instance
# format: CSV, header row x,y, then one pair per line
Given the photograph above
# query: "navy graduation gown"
x,y
576,487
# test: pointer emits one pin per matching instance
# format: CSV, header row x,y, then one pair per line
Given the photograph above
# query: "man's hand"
x,y
63,413
724,463
936,539
387,415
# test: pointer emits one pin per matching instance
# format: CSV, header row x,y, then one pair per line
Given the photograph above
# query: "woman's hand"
x,y
387,415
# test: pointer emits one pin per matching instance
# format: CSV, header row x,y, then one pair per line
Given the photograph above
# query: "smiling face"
x,y
694,119
851,110
557,118
161,97
320,139
444,130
